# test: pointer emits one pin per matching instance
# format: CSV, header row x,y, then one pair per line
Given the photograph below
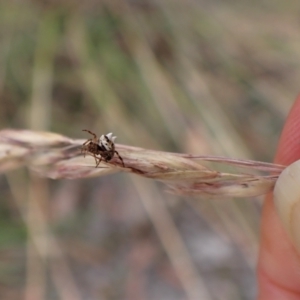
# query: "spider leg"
x,y
95,139
121,159
92,133
84,148
99,160
90,140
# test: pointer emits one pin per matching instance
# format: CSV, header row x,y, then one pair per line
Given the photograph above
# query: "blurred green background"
x,y
201,77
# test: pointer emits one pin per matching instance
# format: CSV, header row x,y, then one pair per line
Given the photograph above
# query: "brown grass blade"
x,y
56,156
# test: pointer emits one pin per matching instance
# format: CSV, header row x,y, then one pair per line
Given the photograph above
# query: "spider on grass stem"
x,y
101,148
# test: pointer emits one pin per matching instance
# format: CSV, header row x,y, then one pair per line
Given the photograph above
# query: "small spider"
x,y
101,148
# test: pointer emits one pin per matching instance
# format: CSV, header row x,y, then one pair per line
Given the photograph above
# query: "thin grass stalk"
x,y
56,156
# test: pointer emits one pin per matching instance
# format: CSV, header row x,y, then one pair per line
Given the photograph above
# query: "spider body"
x,y
101,148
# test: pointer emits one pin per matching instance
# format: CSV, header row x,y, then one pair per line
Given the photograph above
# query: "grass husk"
x,y
56,156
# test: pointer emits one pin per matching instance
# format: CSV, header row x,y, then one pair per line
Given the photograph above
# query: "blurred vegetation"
x,y
201,77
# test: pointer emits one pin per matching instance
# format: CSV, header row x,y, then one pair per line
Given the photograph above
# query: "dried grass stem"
x,y
56,156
